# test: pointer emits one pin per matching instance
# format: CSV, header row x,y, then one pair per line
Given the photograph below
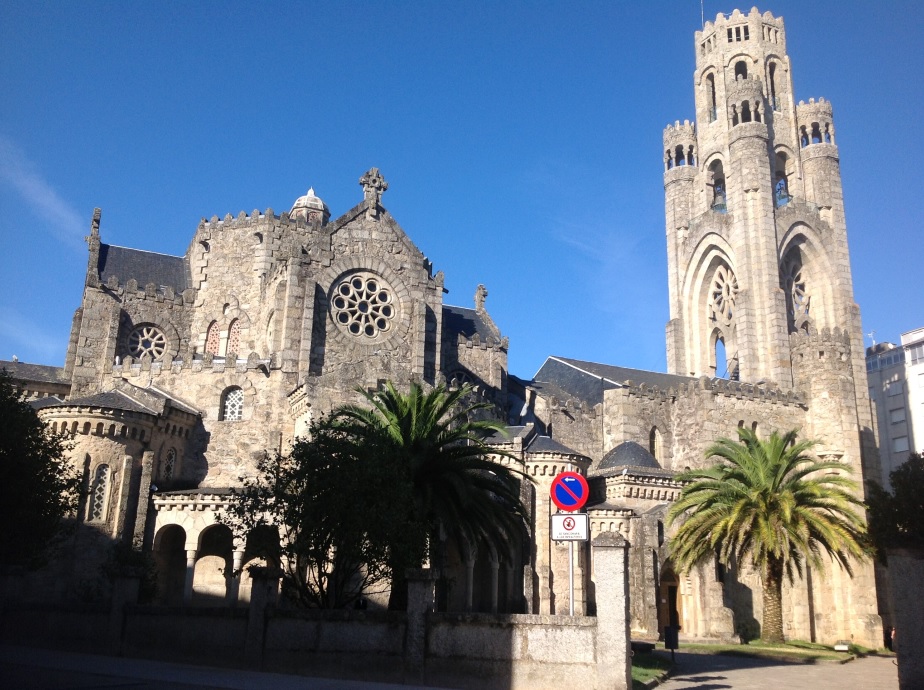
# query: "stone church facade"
x,y
182,371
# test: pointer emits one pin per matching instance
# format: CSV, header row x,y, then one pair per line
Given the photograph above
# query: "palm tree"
x,y
437,442
771,503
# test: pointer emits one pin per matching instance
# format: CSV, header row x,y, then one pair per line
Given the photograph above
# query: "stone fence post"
x,y
421,591
125,590
262,596
611,574
906,573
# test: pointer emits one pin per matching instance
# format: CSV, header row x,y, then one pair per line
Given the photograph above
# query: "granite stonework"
x,y
182,372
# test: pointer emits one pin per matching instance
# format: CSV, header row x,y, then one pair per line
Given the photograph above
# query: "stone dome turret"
x,y
310,208
628,454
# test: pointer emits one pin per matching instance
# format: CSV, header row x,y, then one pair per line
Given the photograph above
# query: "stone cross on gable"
x,y
373,186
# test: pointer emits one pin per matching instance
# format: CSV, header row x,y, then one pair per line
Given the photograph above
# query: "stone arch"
x,y
656,445
716,184
169,550
806,273
212,338
231,406
710,271
213,565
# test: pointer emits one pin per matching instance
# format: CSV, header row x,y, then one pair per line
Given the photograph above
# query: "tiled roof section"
x,y
505,436
628,453
48,401
115,400
145,267
34,372
459,320
545,444
586,381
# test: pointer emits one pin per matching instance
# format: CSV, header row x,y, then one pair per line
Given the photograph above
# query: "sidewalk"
x,y
702,671
42,669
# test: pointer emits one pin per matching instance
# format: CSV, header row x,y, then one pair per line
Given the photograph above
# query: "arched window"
x,y
234,338
781,184
721,361
232,405
169,465
710,97
718,187
745,112
741,70
212,338
774,99
99,490
654,444
816,133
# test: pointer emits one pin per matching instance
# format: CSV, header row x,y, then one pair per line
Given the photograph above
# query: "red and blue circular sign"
x,y
570,491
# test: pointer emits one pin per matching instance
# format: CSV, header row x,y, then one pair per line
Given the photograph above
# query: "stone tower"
x,y
757,243
758,264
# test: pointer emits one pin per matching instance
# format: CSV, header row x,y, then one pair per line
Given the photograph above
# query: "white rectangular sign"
x,y
570,527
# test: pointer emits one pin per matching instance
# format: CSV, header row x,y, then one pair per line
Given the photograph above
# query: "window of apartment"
x,y
896,416
894,388
917,353
900,444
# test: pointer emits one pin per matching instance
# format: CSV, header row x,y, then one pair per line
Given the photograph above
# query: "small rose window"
x,y
147,340
362,304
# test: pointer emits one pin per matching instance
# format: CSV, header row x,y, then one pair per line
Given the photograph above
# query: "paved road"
x,y
706,672
37,669
24,668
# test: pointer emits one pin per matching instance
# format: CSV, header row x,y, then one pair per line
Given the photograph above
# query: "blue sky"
x,y
521,143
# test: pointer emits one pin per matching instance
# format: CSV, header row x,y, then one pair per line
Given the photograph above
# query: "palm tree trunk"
x,y
772,629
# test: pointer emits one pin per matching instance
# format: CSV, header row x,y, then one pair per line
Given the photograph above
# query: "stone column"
x,y
190,574
906,573
144,498
262,596
234,579
421,590
495,566
611,573
124,593
469,582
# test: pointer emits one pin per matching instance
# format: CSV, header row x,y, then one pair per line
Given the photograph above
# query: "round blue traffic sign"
x,y
569,491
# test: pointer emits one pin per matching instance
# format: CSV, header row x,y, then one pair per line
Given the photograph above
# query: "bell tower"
x,y
756,238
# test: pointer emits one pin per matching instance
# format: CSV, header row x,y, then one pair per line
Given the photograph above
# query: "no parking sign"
x,y
569,491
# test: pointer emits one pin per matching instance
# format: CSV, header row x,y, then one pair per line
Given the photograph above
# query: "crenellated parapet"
x,y
828,349
576,409
501,344
201,500
127,367
730,30
815,122
680,145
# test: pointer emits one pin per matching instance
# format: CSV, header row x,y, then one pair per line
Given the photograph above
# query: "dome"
x,y
628,453
309,207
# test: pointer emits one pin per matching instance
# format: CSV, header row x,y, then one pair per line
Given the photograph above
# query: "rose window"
x,y
363,305
794,286
147,340
724,290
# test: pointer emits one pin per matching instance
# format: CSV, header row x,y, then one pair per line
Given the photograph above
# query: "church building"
x,y
182,371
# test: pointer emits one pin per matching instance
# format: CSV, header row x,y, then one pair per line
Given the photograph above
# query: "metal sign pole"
x,y
571,575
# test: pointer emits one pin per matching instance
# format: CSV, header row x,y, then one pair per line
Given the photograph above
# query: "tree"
x,y
437,444
38,488
896,519
770,503
334,507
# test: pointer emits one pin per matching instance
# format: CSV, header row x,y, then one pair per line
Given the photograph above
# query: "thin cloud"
x,y
22,176
25,338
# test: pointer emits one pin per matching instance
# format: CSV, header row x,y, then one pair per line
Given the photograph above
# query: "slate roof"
x,y
47,401
628,453
587,381
35,372
145,267
545,444
458,320
116,400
